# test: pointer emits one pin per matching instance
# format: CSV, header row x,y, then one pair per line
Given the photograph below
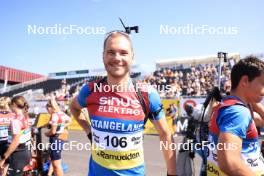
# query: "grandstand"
x,y
16,81
11,76
48,86
192,76
187,62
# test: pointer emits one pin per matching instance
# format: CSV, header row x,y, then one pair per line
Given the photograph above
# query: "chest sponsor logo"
x,y
119,105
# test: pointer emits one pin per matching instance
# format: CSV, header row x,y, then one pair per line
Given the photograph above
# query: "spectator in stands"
x,y
195,81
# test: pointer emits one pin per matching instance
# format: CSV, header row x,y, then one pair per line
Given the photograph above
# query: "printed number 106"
x,y
115,141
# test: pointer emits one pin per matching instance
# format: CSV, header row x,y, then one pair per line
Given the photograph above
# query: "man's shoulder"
x,y
235,114
238,109
94,83
146,88
91,87
149,93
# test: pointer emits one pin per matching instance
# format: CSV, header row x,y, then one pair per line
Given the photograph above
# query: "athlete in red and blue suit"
x,y
233,116
117,118
234,147
117,124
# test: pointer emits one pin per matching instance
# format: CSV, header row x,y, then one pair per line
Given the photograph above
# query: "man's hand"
x,y
2,163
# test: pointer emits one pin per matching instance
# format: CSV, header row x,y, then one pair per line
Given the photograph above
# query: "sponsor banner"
x,y
171,111
190,101
42,120
74,125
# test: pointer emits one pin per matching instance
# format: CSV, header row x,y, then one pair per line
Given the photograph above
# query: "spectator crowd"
x,y
194,81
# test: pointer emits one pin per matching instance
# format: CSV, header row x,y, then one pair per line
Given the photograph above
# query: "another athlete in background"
x,y
232,128
58,123
5,121
18,152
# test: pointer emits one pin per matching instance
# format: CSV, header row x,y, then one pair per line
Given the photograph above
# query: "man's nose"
x,y
117,56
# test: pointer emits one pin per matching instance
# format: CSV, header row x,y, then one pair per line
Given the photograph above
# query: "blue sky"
x,y
51,53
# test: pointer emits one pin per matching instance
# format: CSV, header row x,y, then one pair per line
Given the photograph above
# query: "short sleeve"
x,y
234,119
16,126
66,117
84,93
54,119
155,104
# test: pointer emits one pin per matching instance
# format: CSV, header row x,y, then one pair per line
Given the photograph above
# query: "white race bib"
x,y
117,141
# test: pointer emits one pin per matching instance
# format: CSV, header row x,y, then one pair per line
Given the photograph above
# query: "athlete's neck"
x,y
240,95
123,81
19,112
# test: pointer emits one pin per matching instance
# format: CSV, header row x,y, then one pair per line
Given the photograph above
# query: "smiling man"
x,y
117,116
232,128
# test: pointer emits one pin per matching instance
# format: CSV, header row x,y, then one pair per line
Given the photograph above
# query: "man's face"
x,y
255,89
118,56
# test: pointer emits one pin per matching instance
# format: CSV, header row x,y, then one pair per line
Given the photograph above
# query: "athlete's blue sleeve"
x,y
234,119
155,104
84,93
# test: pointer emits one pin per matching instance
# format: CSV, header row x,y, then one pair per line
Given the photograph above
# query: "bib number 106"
x,y
115,141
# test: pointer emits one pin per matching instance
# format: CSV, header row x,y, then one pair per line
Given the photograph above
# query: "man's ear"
x,y
244,80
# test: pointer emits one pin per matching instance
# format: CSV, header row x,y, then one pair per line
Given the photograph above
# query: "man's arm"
x,y
76,111
258,115
166,137
229,160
